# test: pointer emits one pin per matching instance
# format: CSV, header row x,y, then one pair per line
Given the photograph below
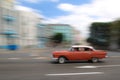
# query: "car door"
x,y
73,54
84,55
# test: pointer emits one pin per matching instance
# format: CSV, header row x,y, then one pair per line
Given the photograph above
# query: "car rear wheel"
x,y
62,60
94,60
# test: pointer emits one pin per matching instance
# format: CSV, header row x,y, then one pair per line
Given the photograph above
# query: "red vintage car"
x,y
79,52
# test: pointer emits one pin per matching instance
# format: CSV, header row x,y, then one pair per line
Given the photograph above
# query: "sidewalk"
x,y
24,50
30,50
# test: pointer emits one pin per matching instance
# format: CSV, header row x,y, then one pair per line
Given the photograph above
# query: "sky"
x,y
78,13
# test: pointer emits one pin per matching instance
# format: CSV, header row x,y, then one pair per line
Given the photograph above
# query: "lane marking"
x,y
41,58
114,56
69,74
34,58
34,54
97,66
86,67
14,58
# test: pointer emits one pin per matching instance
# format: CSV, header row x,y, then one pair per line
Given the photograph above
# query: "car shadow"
x,y
74,62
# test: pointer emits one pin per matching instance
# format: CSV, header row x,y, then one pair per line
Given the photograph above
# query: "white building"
x,y
28,28
8,23
17,27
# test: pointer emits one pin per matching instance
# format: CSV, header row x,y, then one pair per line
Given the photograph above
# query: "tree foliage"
x,y
105,34
57,38
115,31
99,34
115,28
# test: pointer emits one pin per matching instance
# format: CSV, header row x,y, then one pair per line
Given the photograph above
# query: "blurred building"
x,y
28,28
9,20
77,37
45,31
65,29
43,34
17,27
24,28
7,4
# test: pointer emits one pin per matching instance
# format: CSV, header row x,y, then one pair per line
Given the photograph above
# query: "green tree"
x,y
99,34
115,34
57,38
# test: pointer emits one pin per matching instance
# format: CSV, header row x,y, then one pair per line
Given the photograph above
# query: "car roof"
x,y
82,46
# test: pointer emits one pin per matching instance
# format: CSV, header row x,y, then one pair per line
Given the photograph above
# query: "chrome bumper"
x,y
106,56
55,59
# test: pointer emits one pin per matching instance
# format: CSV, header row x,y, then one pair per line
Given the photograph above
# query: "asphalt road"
x,y
39,66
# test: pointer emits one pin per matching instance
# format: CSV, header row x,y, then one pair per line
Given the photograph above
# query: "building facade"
x,y
9,21
28,29
45,31
65,29
17,27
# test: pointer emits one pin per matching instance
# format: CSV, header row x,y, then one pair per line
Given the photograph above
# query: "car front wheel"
x,y
94,60
62,60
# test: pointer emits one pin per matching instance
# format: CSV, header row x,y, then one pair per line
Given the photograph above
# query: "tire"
x,y
61,60
94,60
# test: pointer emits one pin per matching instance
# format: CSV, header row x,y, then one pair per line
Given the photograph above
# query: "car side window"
x,y
76,49
88,49
73,49
82,49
